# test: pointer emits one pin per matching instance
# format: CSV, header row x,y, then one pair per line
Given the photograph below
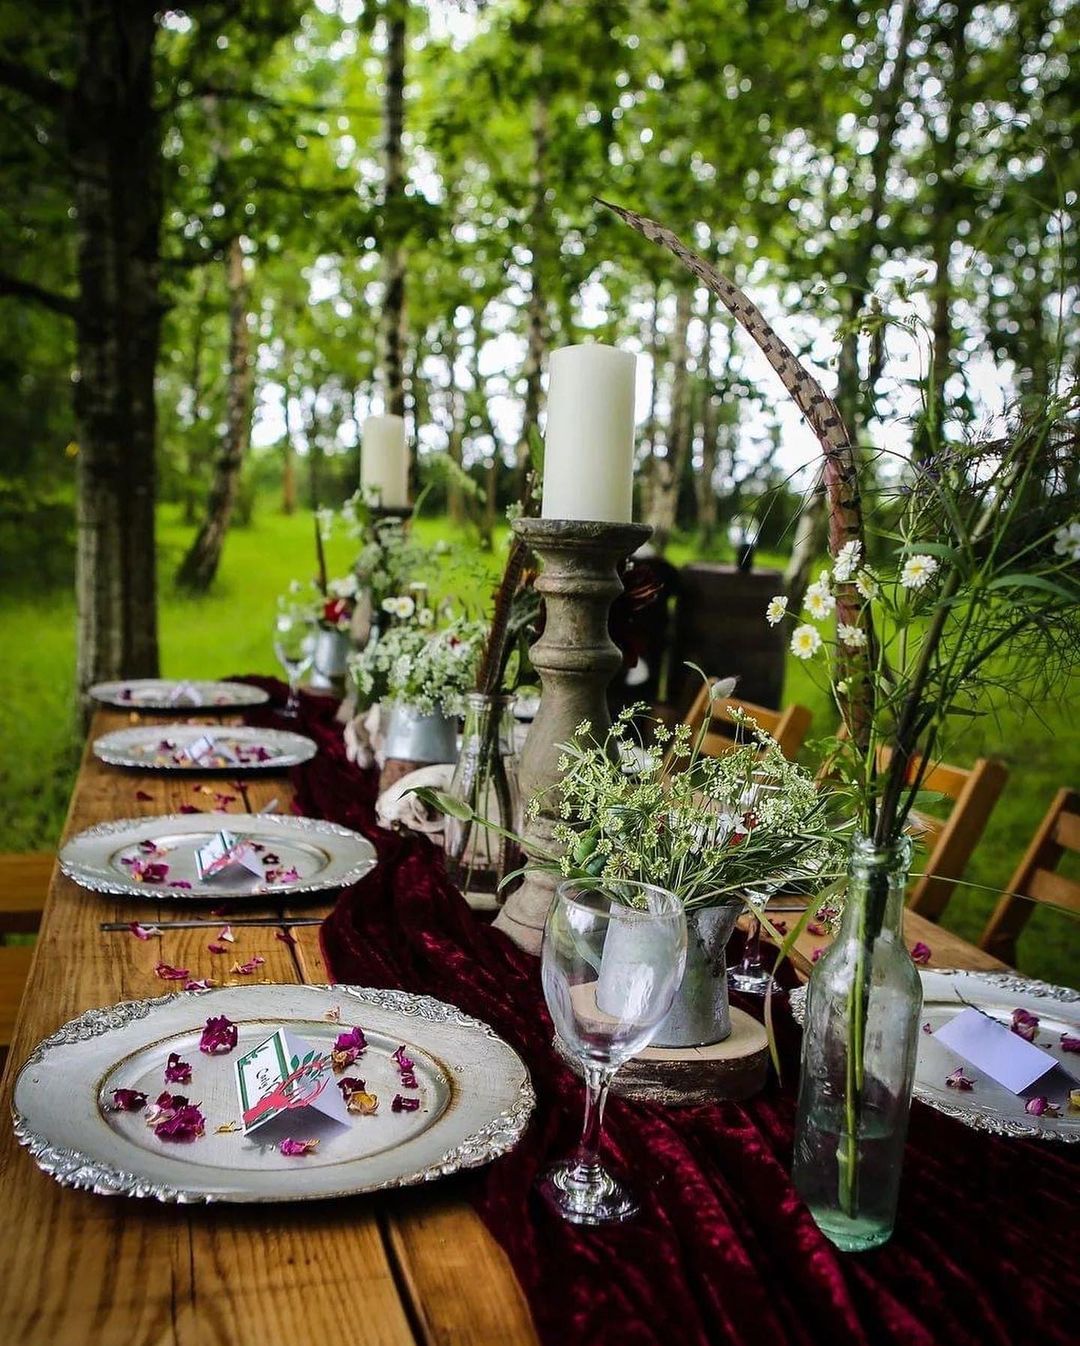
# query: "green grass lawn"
x,y
229,632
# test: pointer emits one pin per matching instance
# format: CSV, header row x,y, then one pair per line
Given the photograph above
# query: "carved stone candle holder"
x,y
576,660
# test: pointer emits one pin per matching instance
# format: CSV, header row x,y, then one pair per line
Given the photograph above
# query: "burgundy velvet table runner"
x,y
723,1250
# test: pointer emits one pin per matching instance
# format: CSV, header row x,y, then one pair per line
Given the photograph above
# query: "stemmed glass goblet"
x,y
294,647
612,959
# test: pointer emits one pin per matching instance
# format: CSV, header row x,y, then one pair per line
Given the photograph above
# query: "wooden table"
x,y
79,1270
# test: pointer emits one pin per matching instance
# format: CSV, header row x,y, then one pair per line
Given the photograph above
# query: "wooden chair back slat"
x,y
1035,879
787,726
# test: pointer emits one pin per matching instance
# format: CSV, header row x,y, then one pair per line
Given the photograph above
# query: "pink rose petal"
x,y
199,984
1069,1043
177,1071
1025,1025
167,973
286,937
143,796
921,953
352,1039
180,883
816,954
404,1104
143,931
296,1148
219,1036
227,935
217,948
128,1100
185,1124
958,1080
815,928
1041,1107
246,969
188,808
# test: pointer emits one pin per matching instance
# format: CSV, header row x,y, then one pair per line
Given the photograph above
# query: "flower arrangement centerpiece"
x,y
970,597
720,833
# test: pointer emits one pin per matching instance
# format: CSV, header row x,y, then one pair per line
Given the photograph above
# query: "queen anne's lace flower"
x,y
917,572
805,641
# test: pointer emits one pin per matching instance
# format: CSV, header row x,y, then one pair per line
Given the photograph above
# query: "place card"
x,y
286,1074
206,746
225,852
994,1049
184,693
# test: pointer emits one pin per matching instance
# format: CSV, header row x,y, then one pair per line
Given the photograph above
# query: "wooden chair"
x,y
787,726
24,882
949,842
1035,879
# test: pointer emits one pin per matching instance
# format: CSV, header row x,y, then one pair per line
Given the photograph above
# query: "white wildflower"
x,y
406,606
854,637
847,561
866,584
917,572
1067,541
805,641
390,605
819,602
776,609
425,617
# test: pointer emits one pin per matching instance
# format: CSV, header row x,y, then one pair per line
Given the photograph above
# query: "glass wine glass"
x,y
612,960
294,647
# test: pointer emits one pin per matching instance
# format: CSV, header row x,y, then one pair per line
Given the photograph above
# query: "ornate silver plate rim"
x,y
80,861
219,696
115,748
969,985
492,1094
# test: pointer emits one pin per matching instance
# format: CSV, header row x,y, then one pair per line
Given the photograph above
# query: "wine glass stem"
x,y
597,1080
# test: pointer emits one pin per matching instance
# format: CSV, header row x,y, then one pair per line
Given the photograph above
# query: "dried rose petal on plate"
x,y
404,1104
958,1080
186,1123
1025,1025
177,1071
352,1038
128,1100
219,1036
404,1061
246,969
1069,1043
350,1085
168,973
298,1147
362,1103
164,1106
180,883
1040,1106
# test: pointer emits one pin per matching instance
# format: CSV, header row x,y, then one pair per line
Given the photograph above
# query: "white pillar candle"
x,y
589,444
384,462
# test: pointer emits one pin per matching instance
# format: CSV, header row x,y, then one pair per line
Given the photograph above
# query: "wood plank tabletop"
x,y
85,1270
78,1269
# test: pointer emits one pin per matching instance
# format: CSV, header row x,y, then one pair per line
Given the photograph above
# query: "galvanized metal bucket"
x,y
701,1013
412,737
328,665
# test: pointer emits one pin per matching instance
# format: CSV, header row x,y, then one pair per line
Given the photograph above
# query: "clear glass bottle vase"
x,y
860,1038
478,858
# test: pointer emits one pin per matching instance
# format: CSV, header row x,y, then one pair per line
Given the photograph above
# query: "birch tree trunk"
x,y
199,566
115,144
392,333
667,473
536,331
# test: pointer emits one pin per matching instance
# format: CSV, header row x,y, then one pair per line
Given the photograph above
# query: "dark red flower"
x,y
219,1036
186,1123
404,1104
177,1071
128,1100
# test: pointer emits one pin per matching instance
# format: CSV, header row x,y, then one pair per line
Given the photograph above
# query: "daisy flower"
x,y
819,602
776,609
1067,541
805,641
866,584
847,561
854,637
917,572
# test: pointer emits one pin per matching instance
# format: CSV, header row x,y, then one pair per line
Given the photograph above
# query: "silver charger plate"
x,y
323,855
162,747
989,1106
475,1095
161,694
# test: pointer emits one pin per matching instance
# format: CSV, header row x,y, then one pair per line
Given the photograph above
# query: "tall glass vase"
x,y
860,1038
478,858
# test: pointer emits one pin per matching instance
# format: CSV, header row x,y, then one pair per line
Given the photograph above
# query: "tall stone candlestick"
x,y
576,659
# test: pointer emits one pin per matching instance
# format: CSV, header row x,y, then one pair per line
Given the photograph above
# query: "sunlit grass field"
x,y
229,632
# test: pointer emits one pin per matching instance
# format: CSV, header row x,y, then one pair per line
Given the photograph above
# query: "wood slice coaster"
x,y
683,1077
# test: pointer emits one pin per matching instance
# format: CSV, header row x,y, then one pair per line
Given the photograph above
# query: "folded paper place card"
x,y
992,1048
205,746
184,694
284,1074
225,852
